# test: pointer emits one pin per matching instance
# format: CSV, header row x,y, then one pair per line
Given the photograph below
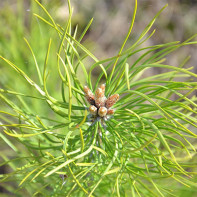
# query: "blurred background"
x,y
110,25
111,22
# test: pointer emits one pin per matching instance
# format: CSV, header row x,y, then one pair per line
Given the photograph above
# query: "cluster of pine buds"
x,y
100,106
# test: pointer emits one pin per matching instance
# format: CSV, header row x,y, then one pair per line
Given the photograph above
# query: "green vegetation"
x,y
146,148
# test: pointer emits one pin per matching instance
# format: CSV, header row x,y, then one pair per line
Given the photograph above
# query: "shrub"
x,y
61,149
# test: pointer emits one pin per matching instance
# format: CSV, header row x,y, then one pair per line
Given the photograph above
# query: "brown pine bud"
x,y
99,93
111,100
110,111
102,86
89,95
100,96
100,102
102,111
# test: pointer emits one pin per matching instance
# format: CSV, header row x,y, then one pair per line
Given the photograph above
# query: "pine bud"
x,y
100,96
93,110
102,111
102,86
100,102
99,93
89,95
110,111
111,100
